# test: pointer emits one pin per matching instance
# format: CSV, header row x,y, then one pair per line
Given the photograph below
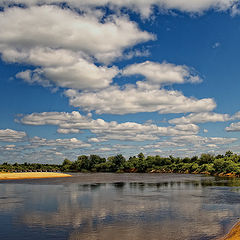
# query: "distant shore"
x,y
234,233
32,175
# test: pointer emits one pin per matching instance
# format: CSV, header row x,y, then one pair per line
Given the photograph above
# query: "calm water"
x,y
119,206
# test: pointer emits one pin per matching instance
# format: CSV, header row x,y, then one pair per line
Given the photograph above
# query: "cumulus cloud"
x,y
129,131
71,143
94,140
9,135
197,6
236,116
199,140
43,150
60,67
141,6
162,73
81,75
65,45
60,28
10,147
182,146
66,48
137,98
189,145
202,117
234,127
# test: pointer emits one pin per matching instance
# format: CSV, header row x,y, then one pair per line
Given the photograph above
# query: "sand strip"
x,y
32,175
234,233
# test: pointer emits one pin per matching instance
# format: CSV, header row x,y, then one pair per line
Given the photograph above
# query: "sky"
x,y
114,77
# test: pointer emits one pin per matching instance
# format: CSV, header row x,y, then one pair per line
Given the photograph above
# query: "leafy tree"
x,y
66,162
219,165
141,156
229,153
118,162
205,158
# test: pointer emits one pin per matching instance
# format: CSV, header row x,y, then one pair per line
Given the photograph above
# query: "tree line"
x,y
227,164
29,167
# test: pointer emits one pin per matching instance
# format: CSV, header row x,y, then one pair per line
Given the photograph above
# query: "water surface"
x,y
119,206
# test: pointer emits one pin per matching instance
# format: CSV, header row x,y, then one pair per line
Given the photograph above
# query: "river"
x,y
105,206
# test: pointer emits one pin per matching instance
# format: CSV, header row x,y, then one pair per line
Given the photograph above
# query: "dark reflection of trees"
x,y
137,185
83,187
140,186
95,186
221,182
119,185
90,187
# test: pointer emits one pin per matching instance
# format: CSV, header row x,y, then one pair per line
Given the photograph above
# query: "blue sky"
x,y
108,77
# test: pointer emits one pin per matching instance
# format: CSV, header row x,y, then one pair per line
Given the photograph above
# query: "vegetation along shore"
x,y
219,165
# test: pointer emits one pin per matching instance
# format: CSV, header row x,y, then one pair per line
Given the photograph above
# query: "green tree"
x,y
229,153
205,158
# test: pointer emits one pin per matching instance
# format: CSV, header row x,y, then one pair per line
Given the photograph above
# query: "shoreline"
x,y
32,175
233,234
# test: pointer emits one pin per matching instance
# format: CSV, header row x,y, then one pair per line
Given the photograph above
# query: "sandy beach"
x,y
32,175
234,233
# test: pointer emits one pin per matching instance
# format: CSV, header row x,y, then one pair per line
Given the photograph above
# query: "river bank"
x,y
234,233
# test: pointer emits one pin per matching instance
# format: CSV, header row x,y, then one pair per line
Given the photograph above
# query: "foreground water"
x,y
119,206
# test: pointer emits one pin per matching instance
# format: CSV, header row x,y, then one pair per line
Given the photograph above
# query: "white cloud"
x,y
105,149
236,116
81,75
129,131
140,98
189,145
234,127
94,140
202,117
199,140
65,45
143,7
162,73
197,6
9,135
71,143
158,151
136,53
61,67
9,147
42,56
43,150
56,118
164,145
59,28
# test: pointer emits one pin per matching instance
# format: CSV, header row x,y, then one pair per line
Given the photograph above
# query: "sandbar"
x,y
32,175
234,233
